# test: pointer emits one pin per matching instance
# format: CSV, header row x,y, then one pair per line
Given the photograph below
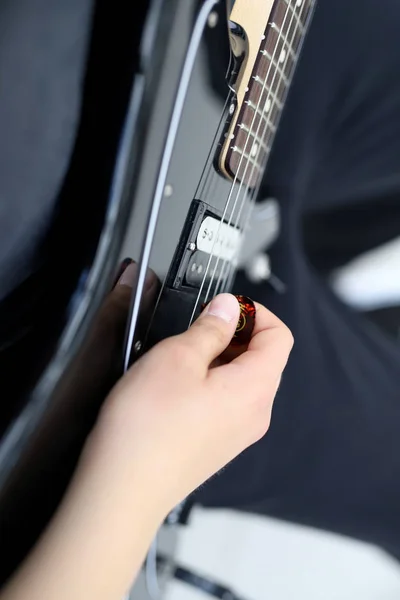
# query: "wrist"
x,y
100,535
127,474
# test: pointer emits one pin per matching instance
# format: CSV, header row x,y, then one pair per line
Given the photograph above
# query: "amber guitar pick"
x,y
246,322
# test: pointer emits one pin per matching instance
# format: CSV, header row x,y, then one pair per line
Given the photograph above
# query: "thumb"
x,y
213,331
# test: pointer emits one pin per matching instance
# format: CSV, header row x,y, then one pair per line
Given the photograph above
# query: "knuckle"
x,y
287,337
261,425
259,417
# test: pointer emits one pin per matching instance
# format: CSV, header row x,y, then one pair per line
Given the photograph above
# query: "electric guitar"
x,y
207,84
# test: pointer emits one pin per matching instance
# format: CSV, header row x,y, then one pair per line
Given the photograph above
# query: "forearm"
x,y
154,443
98,539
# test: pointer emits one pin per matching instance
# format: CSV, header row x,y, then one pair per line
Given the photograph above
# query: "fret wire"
x,y
273,108
246,155
274,94
285,75
296,16
295,34
271,97
265,116
261,111
292,57
259,142
277,67
250,132
270,76
268,133
272,129
289,47
267,54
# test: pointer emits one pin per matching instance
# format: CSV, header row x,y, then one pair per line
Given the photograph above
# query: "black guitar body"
x,y
149,187
41,443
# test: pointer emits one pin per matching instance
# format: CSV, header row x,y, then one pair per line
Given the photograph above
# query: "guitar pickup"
x,y
207,248
201,268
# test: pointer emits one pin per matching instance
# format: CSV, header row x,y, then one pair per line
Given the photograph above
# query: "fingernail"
x,y
128,276
225,307
122,267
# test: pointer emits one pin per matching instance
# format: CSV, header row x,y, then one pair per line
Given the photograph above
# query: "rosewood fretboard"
x,y
253,128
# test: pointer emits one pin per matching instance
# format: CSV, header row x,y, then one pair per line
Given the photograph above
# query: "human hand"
x,y
173,421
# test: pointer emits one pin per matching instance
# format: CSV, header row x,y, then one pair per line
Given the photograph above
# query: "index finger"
x,y
266,357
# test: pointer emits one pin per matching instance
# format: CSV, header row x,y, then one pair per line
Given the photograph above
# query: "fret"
x,y
256,131
249,158
260,124
246,168
301,9
250,141
256,146
282,36
298,4
251,132
288,26
276,77
262,111
296,10
269,71
271,94
247,137
277,49
277,68
295,35
279,15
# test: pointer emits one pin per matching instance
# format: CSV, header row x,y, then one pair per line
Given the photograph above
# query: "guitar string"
x,y
225,278
274,64
261,164
250,198
226,208
251,134
207,181
151,576
305,12
231,264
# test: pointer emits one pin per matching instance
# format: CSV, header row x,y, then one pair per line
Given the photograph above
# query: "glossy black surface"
x,y
193,175
116,165
52,414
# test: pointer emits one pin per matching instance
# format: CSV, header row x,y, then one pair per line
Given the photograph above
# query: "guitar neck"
x,y
270,56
